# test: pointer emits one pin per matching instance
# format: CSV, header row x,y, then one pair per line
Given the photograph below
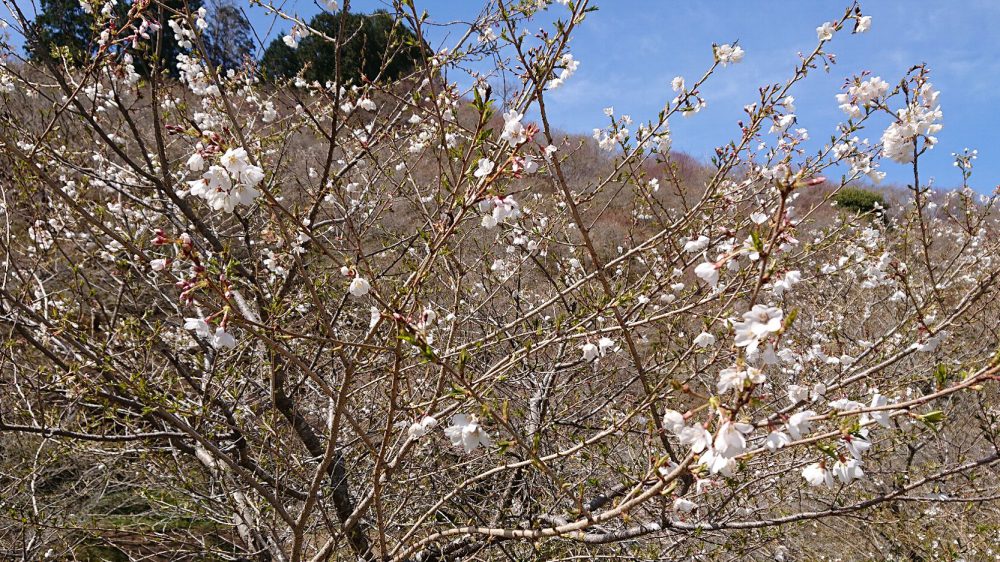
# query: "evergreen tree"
x,y
229,35
280,61
168,47
373,37
61,26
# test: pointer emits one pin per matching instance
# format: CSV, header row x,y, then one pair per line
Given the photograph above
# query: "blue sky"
x,y
629,51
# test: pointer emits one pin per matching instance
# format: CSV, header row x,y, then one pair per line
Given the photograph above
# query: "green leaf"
x,y
940,376
790,319
932,420
828,450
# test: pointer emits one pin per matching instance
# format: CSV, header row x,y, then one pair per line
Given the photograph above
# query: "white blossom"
x,y
776,440
919,120
758,323
697,245
513,131
798,424
880,417
196,162
569,66
696,437
199,325
673,421
817,475
848,471
359,287
717,463
825,31
704,339
845,404
863,25
466,432
786,283
221,338
857,446
682,505
420,428
708,273
484,168
729,440
737,377
728,54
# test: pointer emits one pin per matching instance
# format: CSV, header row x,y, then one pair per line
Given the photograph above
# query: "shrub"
x,y
860,200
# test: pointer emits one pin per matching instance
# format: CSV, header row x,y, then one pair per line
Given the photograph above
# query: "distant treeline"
x,y
373,46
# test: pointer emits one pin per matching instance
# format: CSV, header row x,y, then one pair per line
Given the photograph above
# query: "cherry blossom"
x,y
708,273
863,25
880,416
567,288
919,120
569,66
196,162
697,245
776,440
856,445
787,282
594,351
199,325
682,505
359,287
816,475
696,437
737,377
757,323
825,31
420,428
673,421
728,54
848,471
484,168
729,440
466,432
704,339
296,35
717,463
798,424
222,339
513,131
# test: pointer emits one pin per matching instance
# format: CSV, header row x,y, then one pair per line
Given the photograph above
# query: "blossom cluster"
x,y
228,185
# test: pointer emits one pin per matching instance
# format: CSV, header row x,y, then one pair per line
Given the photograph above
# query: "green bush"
x,y
860,200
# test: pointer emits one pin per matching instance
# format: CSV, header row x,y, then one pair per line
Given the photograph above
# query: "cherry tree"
x,y
409,320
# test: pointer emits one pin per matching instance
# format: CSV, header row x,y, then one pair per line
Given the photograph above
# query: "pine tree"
x,y
62,27
229,35
373,38
168,47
